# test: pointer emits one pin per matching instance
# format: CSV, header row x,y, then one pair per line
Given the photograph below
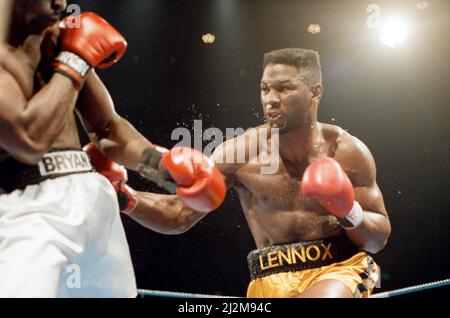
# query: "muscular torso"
x,y
273,205
17,63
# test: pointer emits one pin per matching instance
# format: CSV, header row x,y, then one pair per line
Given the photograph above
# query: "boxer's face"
x,y
285,98
37,15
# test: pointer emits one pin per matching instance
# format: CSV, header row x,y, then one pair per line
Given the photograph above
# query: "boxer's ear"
x,y
317,91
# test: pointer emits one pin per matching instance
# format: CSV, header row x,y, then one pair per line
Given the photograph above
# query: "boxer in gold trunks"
x,y
315,219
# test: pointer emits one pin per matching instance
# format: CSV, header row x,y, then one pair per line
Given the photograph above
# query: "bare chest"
x,y
279,191
23,72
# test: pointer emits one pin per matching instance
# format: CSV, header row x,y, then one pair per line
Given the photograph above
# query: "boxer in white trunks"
x,y
59,218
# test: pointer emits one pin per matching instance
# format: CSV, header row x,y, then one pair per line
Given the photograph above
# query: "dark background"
x,y
395,100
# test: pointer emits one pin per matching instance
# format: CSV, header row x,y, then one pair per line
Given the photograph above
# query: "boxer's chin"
x,y
39,25
281,126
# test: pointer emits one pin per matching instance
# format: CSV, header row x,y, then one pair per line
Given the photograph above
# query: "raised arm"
x,y
346,187
29,126
373,232
165,214
30,123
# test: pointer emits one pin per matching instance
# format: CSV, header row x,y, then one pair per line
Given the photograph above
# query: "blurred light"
x,y
422,5
394,32
314,28
208,38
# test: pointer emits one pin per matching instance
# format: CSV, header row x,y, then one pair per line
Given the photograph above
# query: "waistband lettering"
x,y
64,162
294,255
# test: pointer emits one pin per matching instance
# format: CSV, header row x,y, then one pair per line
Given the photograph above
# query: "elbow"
x,y
376,247
25,147
385,236
379,244
29,153
380,236
32,151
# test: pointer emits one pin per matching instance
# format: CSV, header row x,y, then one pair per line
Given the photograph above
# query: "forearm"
x,y
164,214
44,117
122,143
373,232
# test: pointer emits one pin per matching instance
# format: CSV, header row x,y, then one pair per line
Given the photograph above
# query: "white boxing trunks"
x,y
64,237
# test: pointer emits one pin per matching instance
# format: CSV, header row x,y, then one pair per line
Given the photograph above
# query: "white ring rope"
x,y
392,293
412,289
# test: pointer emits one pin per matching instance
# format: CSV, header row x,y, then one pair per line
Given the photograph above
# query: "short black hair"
x,y
306,61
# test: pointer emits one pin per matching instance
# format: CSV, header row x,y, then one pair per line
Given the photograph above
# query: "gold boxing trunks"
x,y
285,271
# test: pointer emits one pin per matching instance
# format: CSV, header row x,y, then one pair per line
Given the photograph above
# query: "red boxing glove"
x,y
117,175
199,183
95,43
126,196
110,169
327,182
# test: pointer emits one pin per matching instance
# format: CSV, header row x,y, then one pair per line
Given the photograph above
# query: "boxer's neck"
x,y
17,33
301,144
26,44
21,35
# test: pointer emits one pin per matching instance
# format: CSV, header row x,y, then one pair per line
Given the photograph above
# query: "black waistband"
x,y
56,163
299,256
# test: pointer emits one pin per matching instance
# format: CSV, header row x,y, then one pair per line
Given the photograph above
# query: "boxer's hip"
x,y
75,214
288,270
299,256
57,163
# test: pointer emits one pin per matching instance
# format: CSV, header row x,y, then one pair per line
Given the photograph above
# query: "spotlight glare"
x,y
208,38
394,32
314,28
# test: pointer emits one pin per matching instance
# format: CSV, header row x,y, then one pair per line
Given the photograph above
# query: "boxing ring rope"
x,y
169,294
388,294
412,289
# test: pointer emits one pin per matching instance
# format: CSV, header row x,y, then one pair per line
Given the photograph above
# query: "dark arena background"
x,y
394,96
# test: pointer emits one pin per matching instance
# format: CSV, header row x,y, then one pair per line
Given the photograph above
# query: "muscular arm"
x,y
372,234
166,214
29,127
119,141
116,138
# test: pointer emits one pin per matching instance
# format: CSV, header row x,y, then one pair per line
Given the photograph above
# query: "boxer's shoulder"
x,y
236,144
226,154
332,133
15,72
352,154
342,142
